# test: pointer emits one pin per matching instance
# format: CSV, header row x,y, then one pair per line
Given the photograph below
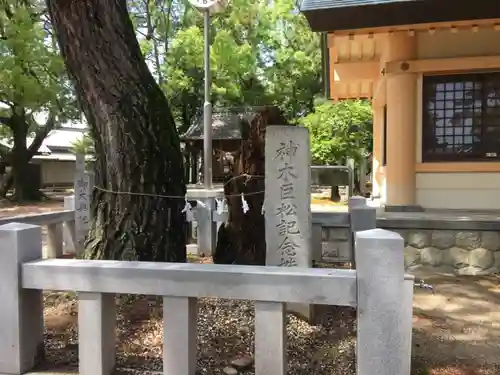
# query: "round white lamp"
x,y
212,6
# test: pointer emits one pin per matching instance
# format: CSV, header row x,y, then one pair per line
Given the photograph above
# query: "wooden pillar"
x,y
401,123
378,170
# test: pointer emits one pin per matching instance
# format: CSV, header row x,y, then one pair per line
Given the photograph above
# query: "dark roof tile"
x,y
226,124
308,5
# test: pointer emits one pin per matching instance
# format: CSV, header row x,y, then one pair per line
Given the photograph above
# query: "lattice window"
x,y
461,117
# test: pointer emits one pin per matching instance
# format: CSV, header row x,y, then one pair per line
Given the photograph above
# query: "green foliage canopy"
x,y
339,131
33,82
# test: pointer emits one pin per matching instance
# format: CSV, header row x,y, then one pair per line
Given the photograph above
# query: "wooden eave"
x,y
394,13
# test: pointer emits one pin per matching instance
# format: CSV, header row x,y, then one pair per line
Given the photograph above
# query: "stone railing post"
x,y
21,310
270,338
384,304
361,217
179,337
96,333
55,240
69,234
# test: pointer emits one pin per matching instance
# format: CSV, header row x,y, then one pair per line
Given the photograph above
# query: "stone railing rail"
x,y
60,230
378,288
62,236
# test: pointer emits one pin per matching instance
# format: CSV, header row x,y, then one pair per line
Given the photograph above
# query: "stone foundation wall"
x,y
464,252
468,253
335,245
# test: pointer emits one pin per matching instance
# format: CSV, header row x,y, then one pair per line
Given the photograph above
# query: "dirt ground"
x,y
456,326
8,209
456,330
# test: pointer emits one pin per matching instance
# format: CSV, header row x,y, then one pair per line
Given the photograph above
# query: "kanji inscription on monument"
x,y
288,196
82,201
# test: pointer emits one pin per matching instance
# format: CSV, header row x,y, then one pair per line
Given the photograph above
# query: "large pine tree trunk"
x,y
242,239
137,145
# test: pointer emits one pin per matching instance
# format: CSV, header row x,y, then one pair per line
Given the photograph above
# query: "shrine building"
x,y
432,71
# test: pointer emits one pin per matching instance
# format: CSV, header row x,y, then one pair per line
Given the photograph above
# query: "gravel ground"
x,y
225,333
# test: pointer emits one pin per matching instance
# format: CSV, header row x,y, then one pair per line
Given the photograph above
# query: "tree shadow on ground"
x,y
456,332
456,329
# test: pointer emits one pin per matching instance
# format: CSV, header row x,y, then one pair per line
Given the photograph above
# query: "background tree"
x,y
339,131
33,86
136,210
293,60
83,145
262,54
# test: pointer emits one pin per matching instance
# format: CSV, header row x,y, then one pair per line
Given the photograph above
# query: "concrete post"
x,y
21,310
382,338
407,325
96,333
356,201
270,338
55,240
361,217
179,335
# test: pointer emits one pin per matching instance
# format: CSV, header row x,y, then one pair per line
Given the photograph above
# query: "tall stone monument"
x,y
287,201
83,192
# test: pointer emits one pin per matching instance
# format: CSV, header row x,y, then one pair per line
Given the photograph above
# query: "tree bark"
x,y
335,193
138,199
242,239
24,188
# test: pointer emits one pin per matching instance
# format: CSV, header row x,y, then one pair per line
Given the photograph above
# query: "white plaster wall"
x,y
468,191
57,172
465,42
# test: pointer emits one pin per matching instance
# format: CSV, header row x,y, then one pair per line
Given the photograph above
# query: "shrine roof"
x,y
226,124
337,15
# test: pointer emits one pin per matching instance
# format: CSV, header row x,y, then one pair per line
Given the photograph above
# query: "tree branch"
x,y
41,134
6,120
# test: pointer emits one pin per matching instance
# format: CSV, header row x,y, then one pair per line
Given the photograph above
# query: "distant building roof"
x,y
63,138
60,156
226,124
336,15
57,145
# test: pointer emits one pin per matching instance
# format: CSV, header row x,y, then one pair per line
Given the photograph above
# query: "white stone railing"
x,y
60,230
63,238
379,289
